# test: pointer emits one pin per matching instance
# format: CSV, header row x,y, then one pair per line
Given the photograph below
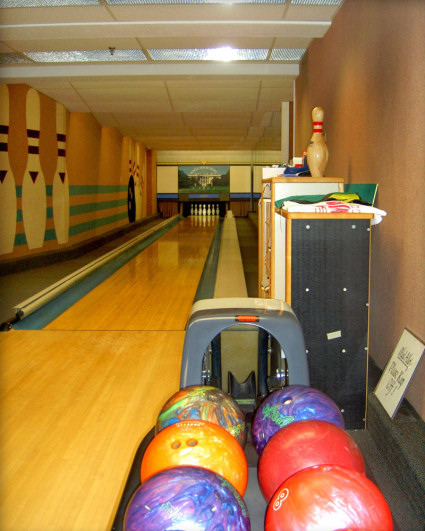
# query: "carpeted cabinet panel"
x,y
330,296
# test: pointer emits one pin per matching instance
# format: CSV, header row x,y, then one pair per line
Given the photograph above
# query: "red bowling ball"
x,y
302,445
326,498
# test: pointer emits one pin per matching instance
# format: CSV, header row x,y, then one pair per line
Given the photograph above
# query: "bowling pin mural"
x,y
142,183
60,188
33,185
136,176
131,199
317,150
8,205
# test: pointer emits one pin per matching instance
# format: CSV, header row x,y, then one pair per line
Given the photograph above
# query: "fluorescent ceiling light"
x,y
317,2
13,59
209,54
287,54
47,3
148,2
62,3
225,53
86,56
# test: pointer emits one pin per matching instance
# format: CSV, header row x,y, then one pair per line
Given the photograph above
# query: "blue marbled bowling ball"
x,y
291,404
186,498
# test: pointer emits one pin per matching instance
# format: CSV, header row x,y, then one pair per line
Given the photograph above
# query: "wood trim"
x,y
320,215
272,244
288,268
310,180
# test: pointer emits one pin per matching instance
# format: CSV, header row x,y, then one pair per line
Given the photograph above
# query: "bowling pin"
x,y
60,188
8,204
191,209
317,150
209,210
204,210
34,200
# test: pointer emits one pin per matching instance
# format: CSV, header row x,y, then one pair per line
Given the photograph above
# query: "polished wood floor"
x,y
154,291
78,397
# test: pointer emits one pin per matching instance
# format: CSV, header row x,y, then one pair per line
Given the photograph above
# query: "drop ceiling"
x,y
148,67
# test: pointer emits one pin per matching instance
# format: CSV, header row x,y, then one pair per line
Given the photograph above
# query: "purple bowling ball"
x,y
186,498
291,404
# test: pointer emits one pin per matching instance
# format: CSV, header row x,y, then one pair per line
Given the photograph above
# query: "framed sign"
x,y
398,372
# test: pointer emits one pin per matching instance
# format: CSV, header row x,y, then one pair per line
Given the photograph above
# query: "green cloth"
x,y
310,199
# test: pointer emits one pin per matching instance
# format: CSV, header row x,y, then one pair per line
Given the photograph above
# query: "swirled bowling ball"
x,y
204,402
197,443
325,498
186,498
291,404
304,444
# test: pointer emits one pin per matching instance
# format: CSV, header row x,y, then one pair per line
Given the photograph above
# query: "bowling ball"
x,y
197,443
204,402
186,498
326,497
304,444
291,404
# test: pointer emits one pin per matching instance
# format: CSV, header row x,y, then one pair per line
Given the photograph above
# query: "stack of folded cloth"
x,y
330,203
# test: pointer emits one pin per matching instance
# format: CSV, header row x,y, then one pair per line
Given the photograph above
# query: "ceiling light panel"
x,y
85,56
209,54
174,2
287,54
47,3
13,59
316,2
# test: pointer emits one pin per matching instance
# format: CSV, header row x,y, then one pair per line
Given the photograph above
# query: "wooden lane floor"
x,y
154,291
75,406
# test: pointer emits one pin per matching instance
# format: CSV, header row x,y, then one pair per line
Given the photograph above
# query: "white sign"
x,y
400,369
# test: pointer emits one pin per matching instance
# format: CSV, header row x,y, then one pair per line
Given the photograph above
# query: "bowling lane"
x,y
74,407
154,291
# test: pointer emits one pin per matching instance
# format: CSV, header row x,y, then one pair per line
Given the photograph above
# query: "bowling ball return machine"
x,y
281,361
281,351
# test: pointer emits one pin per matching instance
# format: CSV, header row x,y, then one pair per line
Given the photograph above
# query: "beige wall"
x,y
368,76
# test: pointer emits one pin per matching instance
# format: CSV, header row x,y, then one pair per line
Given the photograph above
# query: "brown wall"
x,y
368,76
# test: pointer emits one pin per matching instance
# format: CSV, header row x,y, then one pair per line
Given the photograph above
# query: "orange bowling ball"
x,y
197,443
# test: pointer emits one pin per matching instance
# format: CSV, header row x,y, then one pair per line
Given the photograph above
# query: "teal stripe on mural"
x,y
83,190
20,239
96,189
93,207
49,214
49,235
95,223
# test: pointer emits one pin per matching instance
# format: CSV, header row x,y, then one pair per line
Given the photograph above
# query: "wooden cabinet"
x,y
319,264
269,223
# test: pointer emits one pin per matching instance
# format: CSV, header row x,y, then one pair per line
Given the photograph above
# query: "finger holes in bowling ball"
x,y
287,401
175,445
192,442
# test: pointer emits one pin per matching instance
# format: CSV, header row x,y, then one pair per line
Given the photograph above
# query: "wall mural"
x,y
8,202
